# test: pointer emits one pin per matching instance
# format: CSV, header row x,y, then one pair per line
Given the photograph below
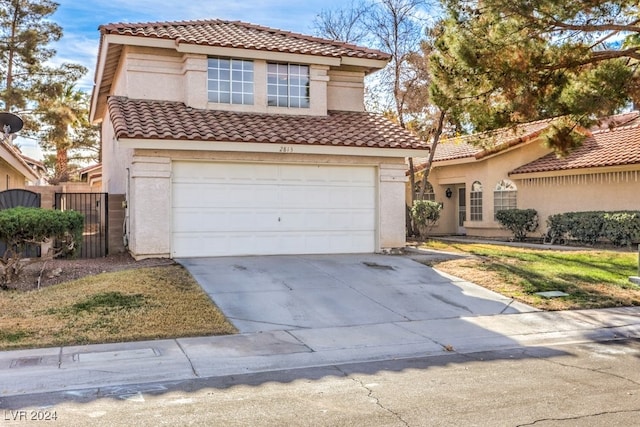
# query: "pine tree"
x,y
25,38
498,63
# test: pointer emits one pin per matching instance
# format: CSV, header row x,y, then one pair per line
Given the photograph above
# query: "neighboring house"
x,y
92,175
517,170
234,139
15,170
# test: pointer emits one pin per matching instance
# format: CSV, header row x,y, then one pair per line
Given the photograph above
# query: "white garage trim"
x,y
221,209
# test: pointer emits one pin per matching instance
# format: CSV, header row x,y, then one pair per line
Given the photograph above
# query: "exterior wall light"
x,y
448,193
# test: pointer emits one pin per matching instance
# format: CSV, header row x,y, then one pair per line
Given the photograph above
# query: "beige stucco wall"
x,y
150,214
9,177
345,91
615,189
116,162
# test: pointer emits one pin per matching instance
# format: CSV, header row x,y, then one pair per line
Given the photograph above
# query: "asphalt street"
x,y
584,384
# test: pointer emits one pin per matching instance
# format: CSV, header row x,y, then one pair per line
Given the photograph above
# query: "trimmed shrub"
x,y
622,228
519,221
20,227
425,214
558,228
586,227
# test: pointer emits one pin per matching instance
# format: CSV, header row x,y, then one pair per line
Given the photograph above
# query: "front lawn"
x,y
593,279
129,305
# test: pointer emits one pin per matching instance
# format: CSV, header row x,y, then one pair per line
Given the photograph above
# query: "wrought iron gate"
x,y
94,207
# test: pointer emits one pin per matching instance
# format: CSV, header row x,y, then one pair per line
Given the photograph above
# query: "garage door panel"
x,y
216,220
246,209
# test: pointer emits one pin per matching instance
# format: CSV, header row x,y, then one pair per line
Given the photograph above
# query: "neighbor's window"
x,y
504,196
475,198
230,81
288,85
428,193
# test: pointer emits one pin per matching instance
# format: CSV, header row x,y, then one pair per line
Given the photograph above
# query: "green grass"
x,y
593,279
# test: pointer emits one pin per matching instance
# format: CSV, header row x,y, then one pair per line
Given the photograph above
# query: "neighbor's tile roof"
x,y
236,34
487,143
605,147
164,120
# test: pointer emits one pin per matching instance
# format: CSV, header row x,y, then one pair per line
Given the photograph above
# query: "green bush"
x,y
518,221
425,213
20,227
586,227
622,228
558,228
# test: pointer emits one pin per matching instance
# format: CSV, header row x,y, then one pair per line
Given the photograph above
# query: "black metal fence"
x,y
95,209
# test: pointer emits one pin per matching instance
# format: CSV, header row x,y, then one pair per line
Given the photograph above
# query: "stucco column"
x,y
392,206
195,80
150,207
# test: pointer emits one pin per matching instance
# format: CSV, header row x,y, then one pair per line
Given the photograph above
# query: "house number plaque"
x,y
284,149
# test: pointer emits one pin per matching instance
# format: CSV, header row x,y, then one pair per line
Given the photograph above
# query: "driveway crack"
x,y
193,369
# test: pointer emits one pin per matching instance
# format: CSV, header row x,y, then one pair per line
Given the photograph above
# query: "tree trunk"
x,y
432,152
62,162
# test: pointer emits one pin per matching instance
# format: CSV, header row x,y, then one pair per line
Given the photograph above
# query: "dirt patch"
x,y
64,270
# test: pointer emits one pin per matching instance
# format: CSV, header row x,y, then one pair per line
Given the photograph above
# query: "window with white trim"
x,y
504,196
475,200
230,81
288,85
429,194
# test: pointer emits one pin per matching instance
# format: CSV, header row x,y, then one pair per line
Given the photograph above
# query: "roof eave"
x,y
257,147
17,162
575,171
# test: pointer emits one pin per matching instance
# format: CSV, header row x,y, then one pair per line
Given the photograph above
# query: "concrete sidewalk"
x,y
117,365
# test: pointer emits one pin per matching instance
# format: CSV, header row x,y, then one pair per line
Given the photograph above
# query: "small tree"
x,y
21,227
518,221
425,214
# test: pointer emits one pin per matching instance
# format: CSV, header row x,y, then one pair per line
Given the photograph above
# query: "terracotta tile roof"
x,y
484,144
236,34
605,147
163,120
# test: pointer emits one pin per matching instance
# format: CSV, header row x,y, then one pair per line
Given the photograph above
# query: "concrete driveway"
x,y
273,293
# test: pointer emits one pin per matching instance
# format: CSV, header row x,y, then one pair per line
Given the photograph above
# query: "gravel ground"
x,y
62,270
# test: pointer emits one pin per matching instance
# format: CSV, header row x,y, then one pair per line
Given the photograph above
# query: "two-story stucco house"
x,y
229,138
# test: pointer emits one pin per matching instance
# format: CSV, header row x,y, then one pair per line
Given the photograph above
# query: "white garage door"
x,y
260,209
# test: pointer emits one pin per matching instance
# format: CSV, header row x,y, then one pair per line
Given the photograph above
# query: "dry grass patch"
x,y
129,305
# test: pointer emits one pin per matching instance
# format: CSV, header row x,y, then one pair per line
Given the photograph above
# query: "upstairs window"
x,y
504,196
288,85
230,81
475,199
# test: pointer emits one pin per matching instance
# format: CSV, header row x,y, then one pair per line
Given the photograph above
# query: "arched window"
x,y
504,196
475,198
428,194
